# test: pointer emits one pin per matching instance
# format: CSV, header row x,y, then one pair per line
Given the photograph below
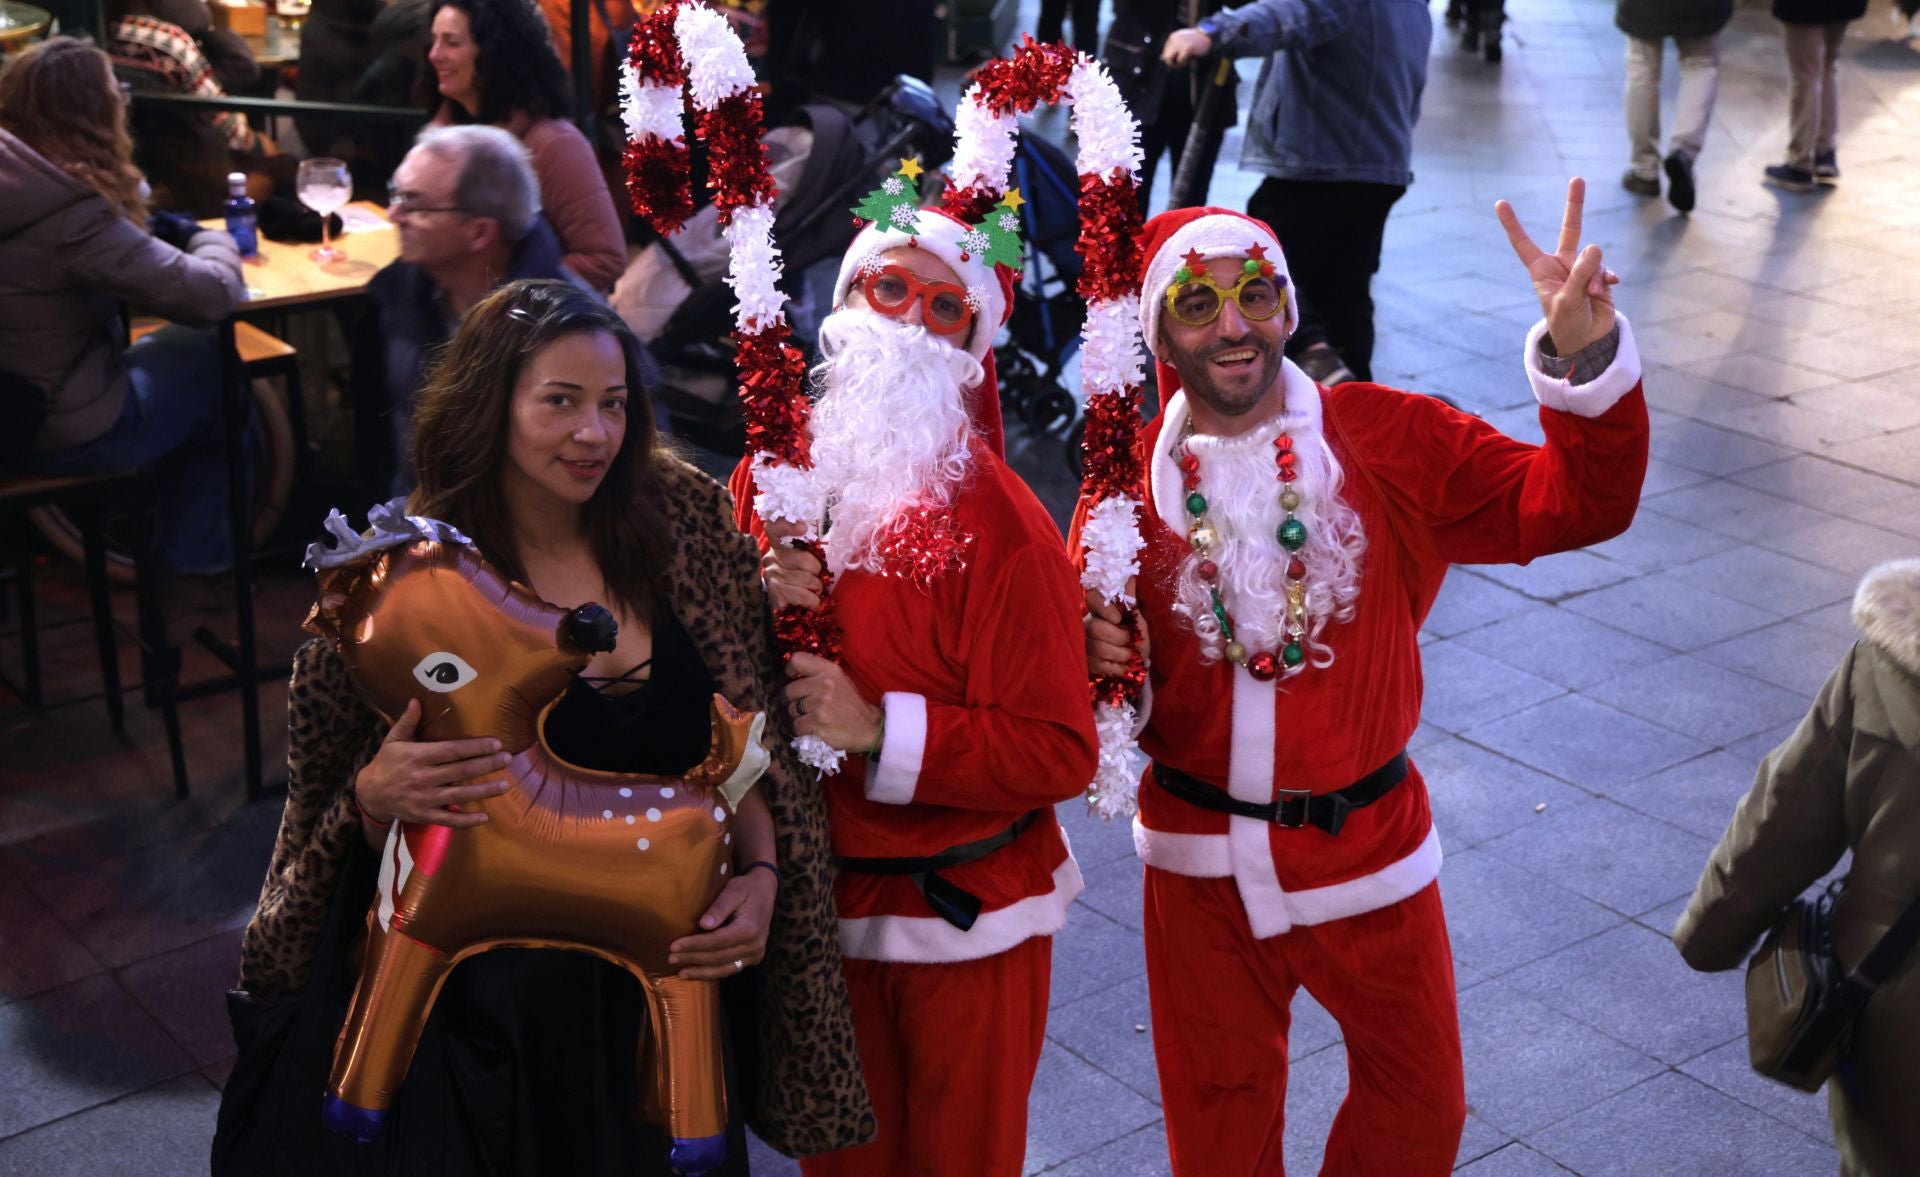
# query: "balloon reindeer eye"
x,y
443,672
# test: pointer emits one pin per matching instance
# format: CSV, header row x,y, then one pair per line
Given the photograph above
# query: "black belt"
x,y
952,903
1295,807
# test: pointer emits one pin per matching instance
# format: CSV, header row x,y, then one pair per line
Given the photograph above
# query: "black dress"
x,y
526,1066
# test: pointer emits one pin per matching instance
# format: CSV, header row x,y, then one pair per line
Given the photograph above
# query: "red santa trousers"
x,y
1220,1003
948,1051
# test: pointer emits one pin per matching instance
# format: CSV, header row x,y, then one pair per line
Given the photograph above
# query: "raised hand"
x,y
1575,288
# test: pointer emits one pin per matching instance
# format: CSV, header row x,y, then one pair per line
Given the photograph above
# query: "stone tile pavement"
x,y
1590,719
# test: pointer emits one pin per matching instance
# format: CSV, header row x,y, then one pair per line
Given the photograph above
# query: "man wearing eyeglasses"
x,y
1296,537
960,697
466,203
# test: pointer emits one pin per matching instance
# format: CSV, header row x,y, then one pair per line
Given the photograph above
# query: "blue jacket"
x,y
1338,97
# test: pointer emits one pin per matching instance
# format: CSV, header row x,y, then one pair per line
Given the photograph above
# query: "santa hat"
x,y
1178,238
989,291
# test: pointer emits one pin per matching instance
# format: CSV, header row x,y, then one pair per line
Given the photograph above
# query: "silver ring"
x,y
739,965
799,706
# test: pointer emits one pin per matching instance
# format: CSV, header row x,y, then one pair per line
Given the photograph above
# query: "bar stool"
x,y
89,500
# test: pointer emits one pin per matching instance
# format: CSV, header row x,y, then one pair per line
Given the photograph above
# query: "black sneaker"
x,y
1826,167
1680,182
1324,364
1785,175
1640,185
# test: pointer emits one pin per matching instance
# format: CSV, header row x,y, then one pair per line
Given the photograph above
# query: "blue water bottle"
x,y
240,219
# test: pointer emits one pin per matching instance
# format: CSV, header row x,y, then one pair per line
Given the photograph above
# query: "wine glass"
x,y
324,186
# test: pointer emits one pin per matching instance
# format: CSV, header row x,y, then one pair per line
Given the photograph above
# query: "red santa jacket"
x,y
983,679
1433,487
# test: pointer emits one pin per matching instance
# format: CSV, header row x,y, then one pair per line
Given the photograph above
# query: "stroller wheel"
x,y
1051,409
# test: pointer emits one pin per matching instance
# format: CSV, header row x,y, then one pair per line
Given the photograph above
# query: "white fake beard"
x,y
890,429
1238,476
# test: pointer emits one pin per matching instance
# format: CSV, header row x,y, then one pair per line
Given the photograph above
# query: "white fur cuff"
x,y
1597,395
902,749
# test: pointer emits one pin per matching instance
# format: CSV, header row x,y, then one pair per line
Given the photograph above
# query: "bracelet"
x,y
368,818
879,739
759,863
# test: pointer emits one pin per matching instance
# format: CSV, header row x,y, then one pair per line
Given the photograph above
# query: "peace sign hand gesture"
x,y
1576,291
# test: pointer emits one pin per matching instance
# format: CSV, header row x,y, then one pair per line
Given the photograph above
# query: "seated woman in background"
x,y
74,246
492,62
533,437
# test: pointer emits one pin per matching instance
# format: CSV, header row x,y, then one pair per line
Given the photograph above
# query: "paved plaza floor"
x,y
1590,719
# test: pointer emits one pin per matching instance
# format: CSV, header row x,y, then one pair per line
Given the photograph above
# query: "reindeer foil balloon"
x,y
617,865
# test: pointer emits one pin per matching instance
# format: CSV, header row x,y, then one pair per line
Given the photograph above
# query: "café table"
x,y
283,277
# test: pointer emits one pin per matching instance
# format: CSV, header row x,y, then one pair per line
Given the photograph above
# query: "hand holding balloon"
x,y
420,780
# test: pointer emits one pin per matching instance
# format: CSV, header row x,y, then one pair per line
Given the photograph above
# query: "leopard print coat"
x,y
812,1096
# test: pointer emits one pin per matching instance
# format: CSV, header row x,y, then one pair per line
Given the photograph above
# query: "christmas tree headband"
x,y
895,206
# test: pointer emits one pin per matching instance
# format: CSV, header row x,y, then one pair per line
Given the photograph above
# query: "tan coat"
x,y
1847,779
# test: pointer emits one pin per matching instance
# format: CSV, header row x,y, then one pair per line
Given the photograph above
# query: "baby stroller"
x,y
821,175
1047,312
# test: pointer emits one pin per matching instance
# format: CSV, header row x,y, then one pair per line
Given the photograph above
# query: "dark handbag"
x,y
1802,1004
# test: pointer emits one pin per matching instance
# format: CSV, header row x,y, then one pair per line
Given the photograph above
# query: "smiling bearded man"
x,y
1296,538
961,696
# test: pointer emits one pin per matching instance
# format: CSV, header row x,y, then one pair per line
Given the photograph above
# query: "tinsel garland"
x,y
688,51
1112,363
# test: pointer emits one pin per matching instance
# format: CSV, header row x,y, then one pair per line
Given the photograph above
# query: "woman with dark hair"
x,y
492,61
533,437
74,247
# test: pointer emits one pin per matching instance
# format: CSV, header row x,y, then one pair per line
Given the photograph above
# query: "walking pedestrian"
x,y
1694,27
1814,31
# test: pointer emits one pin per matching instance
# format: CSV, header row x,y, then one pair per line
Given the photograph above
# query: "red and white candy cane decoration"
x,y
1112,360
688,50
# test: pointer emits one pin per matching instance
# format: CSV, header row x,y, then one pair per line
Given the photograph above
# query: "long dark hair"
x,y
517,67
460,439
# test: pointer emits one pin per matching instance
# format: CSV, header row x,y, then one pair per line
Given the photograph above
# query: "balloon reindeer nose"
x,y
614,864
593,629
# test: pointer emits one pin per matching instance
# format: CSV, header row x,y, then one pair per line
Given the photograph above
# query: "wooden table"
x,y
283,276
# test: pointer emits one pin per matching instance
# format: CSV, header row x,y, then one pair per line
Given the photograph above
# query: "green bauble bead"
x,y
1289,500
1183,275
1196,503
1293,534
1250,267
1292,655
1236,653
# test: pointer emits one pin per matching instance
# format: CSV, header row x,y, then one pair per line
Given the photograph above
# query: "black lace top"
x,y
654,718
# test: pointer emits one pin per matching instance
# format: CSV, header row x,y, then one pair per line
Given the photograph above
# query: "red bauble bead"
x,y
1287,471
1192,481
1296,569
1262,666
1190,463
1209,571
1283,443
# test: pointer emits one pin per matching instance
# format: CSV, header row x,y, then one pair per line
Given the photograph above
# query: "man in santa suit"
x,y
1296,537
961,697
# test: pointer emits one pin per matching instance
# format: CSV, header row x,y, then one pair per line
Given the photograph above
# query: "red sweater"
x,y
1433,487
983,679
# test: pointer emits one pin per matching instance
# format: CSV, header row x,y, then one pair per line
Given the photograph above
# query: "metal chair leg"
x,y
93,535
29,618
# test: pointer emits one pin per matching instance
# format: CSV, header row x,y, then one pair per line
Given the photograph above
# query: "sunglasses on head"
x,y
1197,302
944,309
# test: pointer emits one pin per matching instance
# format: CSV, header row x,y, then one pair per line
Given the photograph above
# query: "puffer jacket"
x,y
1847,779
67,263
1651,20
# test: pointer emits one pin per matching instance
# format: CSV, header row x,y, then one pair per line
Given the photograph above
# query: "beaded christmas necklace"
x,y
1264,665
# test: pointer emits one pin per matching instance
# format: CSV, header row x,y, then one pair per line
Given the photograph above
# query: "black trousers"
x,y
1168,134
1330,231
1086,24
